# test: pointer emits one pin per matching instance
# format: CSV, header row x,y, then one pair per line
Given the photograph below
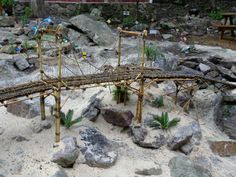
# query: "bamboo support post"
x,y
42,98
139,108
58,97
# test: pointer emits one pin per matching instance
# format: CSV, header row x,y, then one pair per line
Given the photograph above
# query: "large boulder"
x,y
98,151
122,118
142,137
97,31
182,166
207,105
20,62
66,153
186,138
6,21
6,36
27,109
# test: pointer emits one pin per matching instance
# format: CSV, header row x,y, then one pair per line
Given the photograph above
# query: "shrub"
x,y
216,14
66,119
158,102
152,52
122,91
163,121
128,21
7,3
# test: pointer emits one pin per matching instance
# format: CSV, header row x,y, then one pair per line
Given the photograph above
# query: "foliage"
x,y
158,102
216,14
122,91
25,45
226,110
128,21
27,13
152,52
7,3
163,121
66,119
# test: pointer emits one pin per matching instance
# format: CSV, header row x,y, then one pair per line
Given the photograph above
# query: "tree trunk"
x,y
38,8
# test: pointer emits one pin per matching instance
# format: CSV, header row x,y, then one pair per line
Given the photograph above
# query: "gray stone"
x,y
39,125
139,27
190,64
182,166
19,138
122,118
67,153
8,49
149,172
98,32
98,151
7,21
1,130
207,104
21,62
167,36
92,111
96,12
142,138
167,25
204,68
60,173
186,137
230,96
27,109
7,36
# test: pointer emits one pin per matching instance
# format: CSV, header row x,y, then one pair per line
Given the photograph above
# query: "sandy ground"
x,y
32,158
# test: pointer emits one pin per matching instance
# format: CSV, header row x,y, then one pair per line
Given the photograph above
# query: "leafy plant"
x,y
67,119
7,3
216,14
122,91
158,102
27,13
163,121
152,52
128,21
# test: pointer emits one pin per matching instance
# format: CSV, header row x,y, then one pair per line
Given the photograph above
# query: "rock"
x,y
66,153
92,111
6,37
167,25
142,138
98,32
18,31
78,39
60,173
186,137
19,138
187,70
182,166
122,118
212,74
1,130
139,27
229,126
206,105
223,148
190,64
98,151
149,172
27,109
96,12
230,96
8,49
7,21
39,125
21,62
204,68
167,36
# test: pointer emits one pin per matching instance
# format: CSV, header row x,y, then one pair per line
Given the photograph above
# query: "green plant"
x,y
163,121
122,92
28,11
216,14
7,3
152,52
226,110
128,21
66,119
158,102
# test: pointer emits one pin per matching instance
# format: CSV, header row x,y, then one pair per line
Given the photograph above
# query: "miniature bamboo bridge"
x,y
122,75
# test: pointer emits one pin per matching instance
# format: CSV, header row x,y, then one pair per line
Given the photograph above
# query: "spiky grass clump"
x,y
122,91
67,119
158,102
163,121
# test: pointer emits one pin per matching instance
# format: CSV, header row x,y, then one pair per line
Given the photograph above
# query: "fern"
x,y
158,102
67,119
163,121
